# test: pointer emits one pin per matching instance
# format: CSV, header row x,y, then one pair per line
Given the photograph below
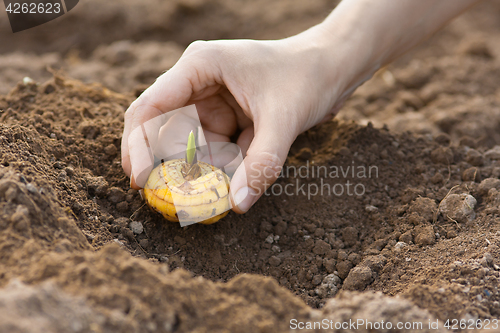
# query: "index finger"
x,y
143,122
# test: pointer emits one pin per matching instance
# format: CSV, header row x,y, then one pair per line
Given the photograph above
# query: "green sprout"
x,y
191,150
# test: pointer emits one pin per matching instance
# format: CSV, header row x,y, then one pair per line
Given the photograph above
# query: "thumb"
x,y
261,167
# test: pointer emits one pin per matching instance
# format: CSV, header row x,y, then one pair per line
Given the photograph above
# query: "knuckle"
x,y
270,164
131,111
203,50
271,160
196,46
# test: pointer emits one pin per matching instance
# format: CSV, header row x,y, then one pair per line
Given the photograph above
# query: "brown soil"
x,y
80,252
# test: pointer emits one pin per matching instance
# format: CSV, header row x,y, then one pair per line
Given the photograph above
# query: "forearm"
x,y
369,34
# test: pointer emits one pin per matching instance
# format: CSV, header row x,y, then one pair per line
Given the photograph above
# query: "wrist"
x,y
346,57
350,56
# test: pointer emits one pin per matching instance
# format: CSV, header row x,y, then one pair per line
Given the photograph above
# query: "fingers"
x,y
217,116
173,135
245,139
140,134
261,166
143,119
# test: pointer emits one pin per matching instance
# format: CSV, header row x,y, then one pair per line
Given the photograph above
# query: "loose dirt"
x,y
407,228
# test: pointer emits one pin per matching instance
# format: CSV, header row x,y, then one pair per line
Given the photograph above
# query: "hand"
x,y
267,91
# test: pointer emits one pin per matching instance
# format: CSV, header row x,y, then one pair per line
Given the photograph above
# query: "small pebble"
x,y
329,265
31,188
437,178
69,171
321,247
344,151
452,233
136,227
493,154
342,255
59,165
458,207
101,190
116,195
317,280
310,227
343,268
424,235
329,286
144,243
487,185
474,157
399,246
443,139
127,233
472,174
354,258
442,155
406,237
319,233
274,261
27,80
122,206
111,150
359,278
270,239
77,206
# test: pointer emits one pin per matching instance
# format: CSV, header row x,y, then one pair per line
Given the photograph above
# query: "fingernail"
x,y
245,198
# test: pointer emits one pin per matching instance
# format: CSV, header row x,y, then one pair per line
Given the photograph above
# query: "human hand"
x,y
267,91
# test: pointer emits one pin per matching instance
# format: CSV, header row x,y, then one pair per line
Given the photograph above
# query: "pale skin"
x,y
271,91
